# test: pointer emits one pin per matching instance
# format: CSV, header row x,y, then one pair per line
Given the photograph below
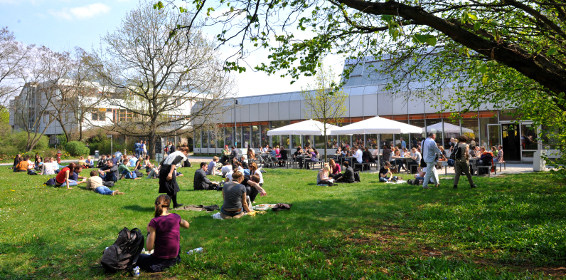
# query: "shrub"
x,y
76,148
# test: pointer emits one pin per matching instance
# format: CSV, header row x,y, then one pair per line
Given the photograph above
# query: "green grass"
x,y
509,227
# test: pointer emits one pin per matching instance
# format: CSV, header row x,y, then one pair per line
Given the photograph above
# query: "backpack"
x,y
357,176
50,182
124,253
456,154
138,173
108,184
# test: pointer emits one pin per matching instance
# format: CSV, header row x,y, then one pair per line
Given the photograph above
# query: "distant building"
x,y
246,124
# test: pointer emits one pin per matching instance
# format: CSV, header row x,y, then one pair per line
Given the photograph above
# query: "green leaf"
x,y
431,40
482,68
552,51
472,17
421,38
484,79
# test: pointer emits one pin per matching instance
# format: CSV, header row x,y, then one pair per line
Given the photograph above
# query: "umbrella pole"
x,y
378,152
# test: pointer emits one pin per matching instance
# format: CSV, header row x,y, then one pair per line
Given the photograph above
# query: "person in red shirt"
x,y
63,175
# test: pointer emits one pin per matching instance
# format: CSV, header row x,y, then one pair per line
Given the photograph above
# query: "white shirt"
x,y
48,169
258,173
226,169
358,156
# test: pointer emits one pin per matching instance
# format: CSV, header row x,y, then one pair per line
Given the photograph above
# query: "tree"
x,y
12,60
506,51
323,102
156,77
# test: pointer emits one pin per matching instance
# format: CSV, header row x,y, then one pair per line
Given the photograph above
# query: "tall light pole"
x,y
235,133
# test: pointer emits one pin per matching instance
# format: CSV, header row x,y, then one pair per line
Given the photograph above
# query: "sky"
x,y
62,25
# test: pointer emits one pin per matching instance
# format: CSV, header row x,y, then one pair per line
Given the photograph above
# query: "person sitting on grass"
x,y
82,162
385,174
334,168
133,161
110,173
102,162
163,237
17,160
39,164
212,167
200,181
74,176
153,171
347,176
89,163
23,165
234,195
323,176
95,184
255,171
126,173
253,187
63,176
47,167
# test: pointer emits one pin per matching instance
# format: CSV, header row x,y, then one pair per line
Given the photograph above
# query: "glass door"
x,y
493,135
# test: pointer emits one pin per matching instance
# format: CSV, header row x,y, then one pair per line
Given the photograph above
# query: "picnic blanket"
x,y
217,216
263,207
396,182
208,208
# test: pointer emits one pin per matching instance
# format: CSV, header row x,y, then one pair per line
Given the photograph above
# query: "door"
x,y
494,135
511,142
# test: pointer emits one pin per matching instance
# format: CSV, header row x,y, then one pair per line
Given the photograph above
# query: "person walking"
x,y
430,150
461,163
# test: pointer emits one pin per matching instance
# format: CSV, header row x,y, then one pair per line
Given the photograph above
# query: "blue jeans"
x,y
385,179
103,190
72,183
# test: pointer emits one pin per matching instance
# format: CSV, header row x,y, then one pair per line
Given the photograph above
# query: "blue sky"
x,y
63,24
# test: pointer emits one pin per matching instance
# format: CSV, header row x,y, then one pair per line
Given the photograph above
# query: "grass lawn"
x,y
509,227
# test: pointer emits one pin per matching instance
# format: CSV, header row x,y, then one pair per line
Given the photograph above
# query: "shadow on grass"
x,y
138,208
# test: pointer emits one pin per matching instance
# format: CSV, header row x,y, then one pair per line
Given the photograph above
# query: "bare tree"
x,y
12,60
156,77
324,102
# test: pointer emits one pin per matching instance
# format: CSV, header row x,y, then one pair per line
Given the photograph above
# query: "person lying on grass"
x,y
94,183
163,237
234,195
63,175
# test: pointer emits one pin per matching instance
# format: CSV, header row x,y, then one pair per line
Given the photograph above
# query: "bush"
x,y
76,148
14,143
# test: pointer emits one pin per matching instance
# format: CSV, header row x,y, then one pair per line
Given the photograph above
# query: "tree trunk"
x,y
325,144
151,144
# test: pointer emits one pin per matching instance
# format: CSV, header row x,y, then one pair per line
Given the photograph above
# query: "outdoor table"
x,y
406,161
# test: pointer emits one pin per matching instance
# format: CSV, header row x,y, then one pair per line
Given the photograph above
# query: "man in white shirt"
x,y
358,155
430,150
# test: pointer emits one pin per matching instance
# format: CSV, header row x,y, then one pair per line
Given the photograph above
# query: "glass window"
x,y
528,137
470,129
255,136
229,135
278,140
264,136
296,141
358,139
212,139
220,137
319,142
205,139
238,140
484,141
247,136
415,137
386,139
197,139
371,141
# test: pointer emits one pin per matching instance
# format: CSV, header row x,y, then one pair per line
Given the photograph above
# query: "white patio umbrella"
x,y
448,128
377,125
308,127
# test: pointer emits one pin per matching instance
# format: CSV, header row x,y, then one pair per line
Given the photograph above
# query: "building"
x,y
246,120
41,108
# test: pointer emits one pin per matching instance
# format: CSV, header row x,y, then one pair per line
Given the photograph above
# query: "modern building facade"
x,y
246,120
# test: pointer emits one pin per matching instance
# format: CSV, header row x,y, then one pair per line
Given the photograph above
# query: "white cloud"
x,y
83,12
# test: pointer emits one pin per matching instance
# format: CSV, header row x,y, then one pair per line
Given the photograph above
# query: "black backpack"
x,y
124,253
357,177
456,153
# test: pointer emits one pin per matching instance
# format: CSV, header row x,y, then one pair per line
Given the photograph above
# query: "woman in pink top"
x,y
163,237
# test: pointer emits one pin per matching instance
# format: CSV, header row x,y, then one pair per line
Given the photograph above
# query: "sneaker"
x,y
426,187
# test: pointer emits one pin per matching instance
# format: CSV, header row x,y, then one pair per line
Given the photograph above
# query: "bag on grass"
x,y
31,172
357,177
125,251
108,184
138,173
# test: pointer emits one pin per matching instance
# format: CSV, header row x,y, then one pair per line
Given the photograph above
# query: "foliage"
x,y
323,102
510,227
498,54
168,83
77,148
